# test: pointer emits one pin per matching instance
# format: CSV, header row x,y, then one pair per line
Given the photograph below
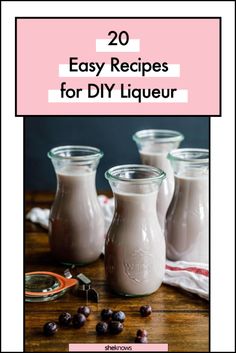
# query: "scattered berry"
x,y
78,320
50,328
85,310
106,314
65,319
118,316
141,333
115,327
101,328
141,339
145,310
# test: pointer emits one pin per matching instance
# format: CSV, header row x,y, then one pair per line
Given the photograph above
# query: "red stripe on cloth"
x,y
200,271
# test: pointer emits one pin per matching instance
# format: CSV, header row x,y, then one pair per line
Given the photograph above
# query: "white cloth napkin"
x,y
192,277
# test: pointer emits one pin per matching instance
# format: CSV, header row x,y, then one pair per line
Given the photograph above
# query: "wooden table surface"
x,y
178,318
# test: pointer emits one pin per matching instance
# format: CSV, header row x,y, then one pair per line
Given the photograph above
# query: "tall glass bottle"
x,y
153,146
135,244
187,221
76,224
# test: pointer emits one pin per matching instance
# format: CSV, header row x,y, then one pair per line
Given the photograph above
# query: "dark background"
x,y
113,135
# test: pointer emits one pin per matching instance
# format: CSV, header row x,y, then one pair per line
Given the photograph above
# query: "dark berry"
x,y
115,327
141,333
84,310
106,314
50,328
141,339
118,316
101,328
65,319
78,320
145,310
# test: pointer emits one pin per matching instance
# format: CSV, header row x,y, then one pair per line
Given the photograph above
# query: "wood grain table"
x,y
178,318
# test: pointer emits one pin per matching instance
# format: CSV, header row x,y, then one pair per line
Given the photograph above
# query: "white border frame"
x,y
222,160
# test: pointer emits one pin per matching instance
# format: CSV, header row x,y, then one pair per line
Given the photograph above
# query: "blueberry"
x,y
141,333
65,319
118,316
50,328
106,314
115,327
78,320
84,310
101,328
145,310
141,339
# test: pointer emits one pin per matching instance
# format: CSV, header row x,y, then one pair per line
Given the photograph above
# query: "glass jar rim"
x,y
81,153
161,135
122,173
190,155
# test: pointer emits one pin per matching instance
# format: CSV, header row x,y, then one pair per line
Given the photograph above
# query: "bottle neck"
x,y
190,162
137,204
158,160
188,170
157,147
82,181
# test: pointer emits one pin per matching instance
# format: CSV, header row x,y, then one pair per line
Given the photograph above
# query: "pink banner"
x,y
103,66
118,347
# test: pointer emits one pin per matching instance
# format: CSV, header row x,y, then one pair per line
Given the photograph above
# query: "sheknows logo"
x,y
94,347
117,348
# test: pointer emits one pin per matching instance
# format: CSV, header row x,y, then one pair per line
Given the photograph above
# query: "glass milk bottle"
x,y
187,221
153,146
76,223
135,244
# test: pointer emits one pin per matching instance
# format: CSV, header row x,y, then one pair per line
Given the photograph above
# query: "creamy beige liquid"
x,y
76,227
187,222
135,246
166,191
